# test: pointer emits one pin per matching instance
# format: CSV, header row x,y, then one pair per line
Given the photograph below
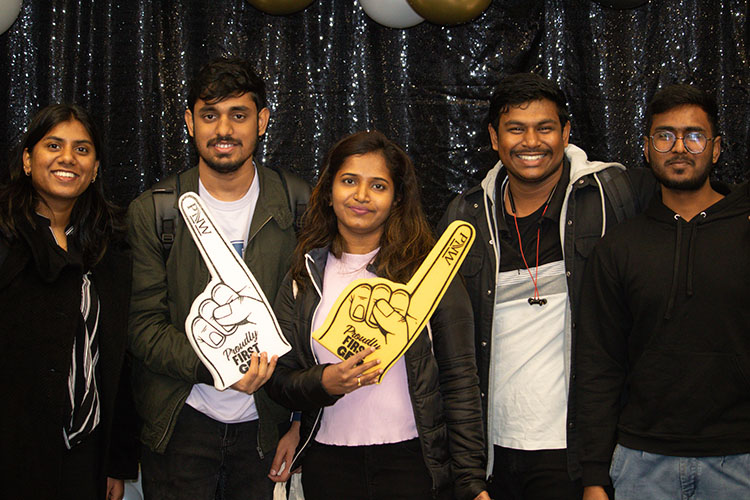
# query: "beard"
x,y
694,183
220,163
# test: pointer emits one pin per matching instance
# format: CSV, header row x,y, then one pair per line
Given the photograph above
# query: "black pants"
x,y
208,460
532,475
377,472
81,470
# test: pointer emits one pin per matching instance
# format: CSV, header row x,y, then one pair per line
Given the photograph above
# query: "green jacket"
x,y
165,364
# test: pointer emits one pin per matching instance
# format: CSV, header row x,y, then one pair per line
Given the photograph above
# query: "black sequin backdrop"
x,y
331,70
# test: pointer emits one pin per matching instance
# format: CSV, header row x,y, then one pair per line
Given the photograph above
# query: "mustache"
x,y
224,138
526,151
680,159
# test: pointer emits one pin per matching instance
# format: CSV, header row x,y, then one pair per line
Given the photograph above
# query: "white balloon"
x,y
391,13
9,10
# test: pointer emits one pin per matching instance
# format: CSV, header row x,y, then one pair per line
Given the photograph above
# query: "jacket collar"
x,y
41,249
316,261
580,166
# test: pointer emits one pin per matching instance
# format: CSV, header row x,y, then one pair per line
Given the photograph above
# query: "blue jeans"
x,y
208,460
639,475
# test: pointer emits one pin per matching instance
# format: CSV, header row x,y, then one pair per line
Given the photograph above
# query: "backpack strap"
x,y
620,193
165,193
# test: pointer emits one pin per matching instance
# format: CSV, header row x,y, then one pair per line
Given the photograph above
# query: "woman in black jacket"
x,y
418,433
64,286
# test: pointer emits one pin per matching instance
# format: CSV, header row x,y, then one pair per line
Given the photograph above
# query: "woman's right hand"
x,y
347,376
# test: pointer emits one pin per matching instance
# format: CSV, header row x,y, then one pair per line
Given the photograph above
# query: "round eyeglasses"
x,y
694,142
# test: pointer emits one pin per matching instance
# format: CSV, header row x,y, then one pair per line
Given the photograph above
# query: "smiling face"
x,y
679,169
530,141
62,165
226,132
362,197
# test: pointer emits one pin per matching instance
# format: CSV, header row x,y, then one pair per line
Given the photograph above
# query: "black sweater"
x,y
663,351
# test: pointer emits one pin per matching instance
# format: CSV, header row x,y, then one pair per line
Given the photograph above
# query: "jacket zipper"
x,y
258,230
312,351
257,440
257,436
169,423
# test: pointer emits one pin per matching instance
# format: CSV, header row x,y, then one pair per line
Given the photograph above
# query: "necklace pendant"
x,y
534,301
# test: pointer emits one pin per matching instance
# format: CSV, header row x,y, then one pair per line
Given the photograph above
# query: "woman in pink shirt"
x,y
417,434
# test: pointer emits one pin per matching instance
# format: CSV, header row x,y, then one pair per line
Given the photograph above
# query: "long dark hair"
x,y
407,237
94,218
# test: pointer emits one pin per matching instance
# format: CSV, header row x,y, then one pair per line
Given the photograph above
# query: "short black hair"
x,y
226,77
525,87
676,95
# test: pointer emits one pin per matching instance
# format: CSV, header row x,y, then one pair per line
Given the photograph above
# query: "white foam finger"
x,y
221,258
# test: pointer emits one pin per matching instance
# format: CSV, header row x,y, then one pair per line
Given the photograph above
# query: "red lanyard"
x,y
535,300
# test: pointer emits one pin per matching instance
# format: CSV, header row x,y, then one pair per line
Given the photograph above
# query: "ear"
x,y
716,149
493,136
189,121
645,149
263,116
96,169
566,134
26,161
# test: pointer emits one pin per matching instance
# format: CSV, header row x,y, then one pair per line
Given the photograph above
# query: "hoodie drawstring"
x,y
675,268
691,255
693,228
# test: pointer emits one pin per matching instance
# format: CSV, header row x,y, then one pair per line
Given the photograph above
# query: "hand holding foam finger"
x,y
388,316
349,375
231,320
260,370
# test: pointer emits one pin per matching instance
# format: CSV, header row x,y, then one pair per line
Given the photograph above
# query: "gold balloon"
x,y
280,7
449,11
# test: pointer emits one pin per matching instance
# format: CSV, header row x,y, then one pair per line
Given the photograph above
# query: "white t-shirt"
x,y
233,218
529,399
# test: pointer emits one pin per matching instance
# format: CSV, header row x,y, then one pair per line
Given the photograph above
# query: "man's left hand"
x,y
115,489
284,455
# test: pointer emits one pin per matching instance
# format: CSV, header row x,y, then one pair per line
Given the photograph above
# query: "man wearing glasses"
x,y
663,353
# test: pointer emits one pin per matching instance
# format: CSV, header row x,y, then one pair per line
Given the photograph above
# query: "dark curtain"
x,y
331,70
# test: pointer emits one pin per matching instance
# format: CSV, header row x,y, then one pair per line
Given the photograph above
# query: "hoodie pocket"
x,y
677,393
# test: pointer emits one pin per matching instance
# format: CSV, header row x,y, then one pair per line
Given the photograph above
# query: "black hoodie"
x,y
663,346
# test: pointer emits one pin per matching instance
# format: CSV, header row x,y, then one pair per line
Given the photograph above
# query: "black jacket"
x,y
40,300
664,350
443,386
584,219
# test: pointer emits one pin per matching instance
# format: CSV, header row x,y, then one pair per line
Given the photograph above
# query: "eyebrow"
x,y
216,110
535,124
684,129
60,139
381,179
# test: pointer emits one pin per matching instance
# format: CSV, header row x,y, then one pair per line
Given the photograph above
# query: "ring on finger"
x,y
359,382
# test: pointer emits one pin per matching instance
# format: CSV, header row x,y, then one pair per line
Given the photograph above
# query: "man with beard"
x,y
538,213
199,442
664,350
